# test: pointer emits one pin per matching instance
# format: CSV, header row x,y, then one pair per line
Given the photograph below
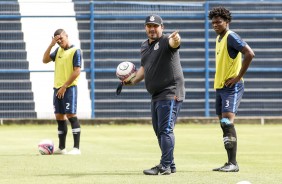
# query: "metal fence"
x,y
95,11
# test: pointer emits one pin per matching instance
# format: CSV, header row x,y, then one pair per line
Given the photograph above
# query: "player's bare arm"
x,y
74,75
248,56
46,56
174,39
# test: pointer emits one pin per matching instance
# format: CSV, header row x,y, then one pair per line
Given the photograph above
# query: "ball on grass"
x,y
46,147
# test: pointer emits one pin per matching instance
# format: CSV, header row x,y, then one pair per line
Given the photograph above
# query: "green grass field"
x,y
119,153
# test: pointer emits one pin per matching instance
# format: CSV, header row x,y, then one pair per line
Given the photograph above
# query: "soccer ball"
x,y
126,71
46,147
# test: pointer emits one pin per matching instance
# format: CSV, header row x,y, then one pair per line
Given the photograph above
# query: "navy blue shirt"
x,y
234,44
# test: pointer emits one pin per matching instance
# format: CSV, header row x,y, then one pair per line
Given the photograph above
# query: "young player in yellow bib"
x,y
228,80
67,60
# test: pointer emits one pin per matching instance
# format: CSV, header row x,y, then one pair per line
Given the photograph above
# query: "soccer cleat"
x,y
159,169
74,151
165,171
218,169
60,151
173,169
230,168
153,171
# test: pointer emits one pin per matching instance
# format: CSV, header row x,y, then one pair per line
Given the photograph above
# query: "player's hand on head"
x,y
55,39
53,42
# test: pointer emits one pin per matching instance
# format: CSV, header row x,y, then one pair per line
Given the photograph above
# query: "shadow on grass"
x,y
19,155
100,173
112,173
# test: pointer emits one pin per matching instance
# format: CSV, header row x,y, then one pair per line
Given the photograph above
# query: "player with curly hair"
x,y
228,81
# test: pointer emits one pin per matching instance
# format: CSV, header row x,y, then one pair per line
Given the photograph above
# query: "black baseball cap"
x,y
154,19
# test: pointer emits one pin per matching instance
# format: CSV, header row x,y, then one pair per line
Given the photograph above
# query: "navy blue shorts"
x,y
68,104
228,98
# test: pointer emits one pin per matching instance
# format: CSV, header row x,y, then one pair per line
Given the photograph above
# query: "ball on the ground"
x,y
243,182
125,71
46,147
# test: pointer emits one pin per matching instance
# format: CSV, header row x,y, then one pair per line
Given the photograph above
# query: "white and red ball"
x,y
46,147
125,71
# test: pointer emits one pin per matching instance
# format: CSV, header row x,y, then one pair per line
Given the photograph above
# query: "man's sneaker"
x,y
218,169
165,171
230,168
173,169
60,152
153,171
74,151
